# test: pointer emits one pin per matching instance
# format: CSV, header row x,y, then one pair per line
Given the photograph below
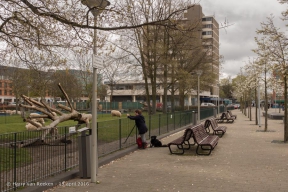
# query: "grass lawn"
x,y
7,158
14,123
109,128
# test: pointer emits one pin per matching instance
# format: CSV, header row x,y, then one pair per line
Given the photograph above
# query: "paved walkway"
x,y
245,159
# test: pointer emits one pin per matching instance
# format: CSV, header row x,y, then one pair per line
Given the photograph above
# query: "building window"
x,y
139,87
5,92
5,85
10,92
208,26
207,33
128,87
207,19
0,92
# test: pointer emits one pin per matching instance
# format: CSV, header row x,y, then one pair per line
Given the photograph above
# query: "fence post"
x,y
167,117
174,119
180,116
149,125
97,131
159,123
120,145
65,150
15,147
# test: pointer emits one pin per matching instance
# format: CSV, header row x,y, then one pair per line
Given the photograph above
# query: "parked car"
x,y
236,106
207,104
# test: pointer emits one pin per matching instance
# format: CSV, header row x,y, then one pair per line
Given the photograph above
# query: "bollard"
x,y
194,117
215,112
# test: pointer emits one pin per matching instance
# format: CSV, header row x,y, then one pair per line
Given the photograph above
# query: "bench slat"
x,y
181,142
225,117
230,113
203,139
217,130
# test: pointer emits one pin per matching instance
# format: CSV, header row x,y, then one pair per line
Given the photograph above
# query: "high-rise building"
x,y
208,35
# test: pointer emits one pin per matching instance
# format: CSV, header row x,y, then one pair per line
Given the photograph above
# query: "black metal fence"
x,y
28,157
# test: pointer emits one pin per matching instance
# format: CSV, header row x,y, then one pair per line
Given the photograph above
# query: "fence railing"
x,y
26,158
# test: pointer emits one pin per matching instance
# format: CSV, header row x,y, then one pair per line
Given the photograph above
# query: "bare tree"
x,y
84,64
156,48
41,28
116,68
272,50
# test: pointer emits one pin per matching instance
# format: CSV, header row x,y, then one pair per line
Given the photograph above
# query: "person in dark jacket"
x,y
140,124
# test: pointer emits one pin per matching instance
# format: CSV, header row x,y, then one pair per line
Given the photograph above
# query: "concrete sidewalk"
x,y
245,159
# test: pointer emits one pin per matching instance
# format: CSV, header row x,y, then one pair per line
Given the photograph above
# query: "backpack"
x,y
139,142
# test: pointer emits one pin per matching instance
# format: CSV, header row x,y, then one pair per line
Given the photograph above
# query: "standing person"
x,y
140,124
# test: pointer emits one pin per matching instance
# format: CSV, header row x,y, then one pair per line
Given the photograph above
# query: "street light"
x,y
98,6
259,118
199,73
218,97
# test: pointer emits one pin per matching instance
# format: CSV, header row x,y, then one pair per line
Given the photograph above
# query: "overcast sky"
x,y
237,41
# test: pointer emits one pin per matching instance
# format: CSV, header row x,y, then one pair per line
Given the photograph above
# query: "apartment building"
x,y
134,90
206,35
6,91
209,38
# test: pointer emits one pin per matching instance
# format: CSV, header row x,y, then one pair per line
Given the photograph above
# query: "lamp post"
x,y
259,118
199,73
218,97
98,6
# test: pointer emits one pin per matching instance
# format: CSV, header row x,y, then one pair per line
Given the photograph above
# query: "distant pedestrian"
x,y
140,124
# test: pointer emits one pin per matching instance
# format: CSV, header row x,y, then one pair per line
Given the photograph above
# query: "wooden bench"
x,y
181,142
225,117
231,115
217,130
203,139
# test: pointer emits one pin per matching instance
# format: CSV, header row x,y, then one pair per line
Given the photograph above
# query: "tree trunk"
x,y
181,99
245,104
285,111
266,102
250,105
256,107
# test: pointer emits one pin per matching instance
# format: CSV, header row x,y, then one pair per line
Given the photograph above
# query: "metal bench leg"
x,y
197,150
178,148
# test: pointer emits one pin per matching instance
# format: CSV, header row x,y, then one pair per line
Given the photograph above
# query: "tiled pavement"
x,y
245,159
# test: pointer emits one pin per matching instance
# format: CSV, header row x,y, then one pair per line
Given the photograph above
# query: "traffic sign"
x,y
97,61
